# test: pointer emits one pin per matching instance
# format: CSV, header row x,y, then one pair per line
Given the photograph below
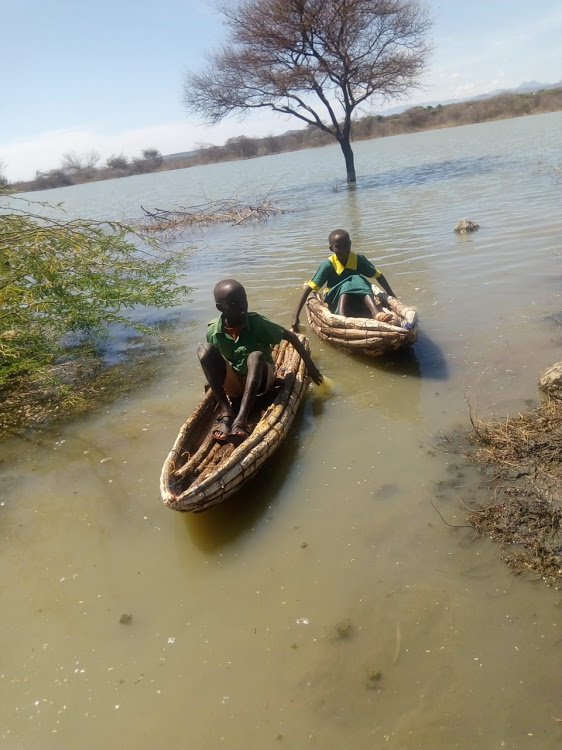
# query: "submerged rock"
x,y
551,380
466,225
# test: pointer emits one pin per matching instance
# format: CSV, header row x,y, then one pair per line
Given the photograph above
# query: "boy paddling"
x,y
237,359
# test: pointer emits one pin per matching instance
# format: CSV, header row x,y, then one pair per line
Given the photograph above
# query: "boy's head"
x,y
231,300
340,244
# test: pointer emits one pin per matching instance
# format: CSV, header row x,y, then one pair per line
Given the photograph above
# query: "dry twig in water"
x,y
227,211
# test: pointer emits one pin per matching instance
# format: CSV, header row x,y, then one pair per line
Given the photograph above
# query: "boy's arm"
x,y
385,285
304,296
313,371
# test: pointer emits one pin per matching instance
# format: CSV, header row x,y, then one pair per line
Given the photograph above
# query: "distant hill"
x,y
523,88
180,155
528,87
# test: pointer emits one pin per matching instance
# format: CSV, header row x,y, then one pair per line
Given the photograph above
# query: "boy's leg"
x,y
376,312
372,306
255,382
344,305
214,367
268,381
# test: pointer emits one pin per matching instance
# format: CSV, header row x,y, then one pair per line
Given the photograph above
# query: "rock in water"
x,y
551,380
466,225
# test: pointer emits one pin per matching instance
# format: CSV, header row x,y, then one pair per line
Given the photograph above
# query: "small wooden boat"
x,y
201,471
364,335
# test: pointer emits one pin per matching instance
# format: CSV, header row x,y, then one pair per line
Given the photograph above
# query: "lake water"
x,y
328,606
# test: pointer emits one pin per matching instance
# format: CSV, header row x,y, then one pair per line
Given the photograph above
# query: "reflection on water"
x,y
430,358
328,605
419,174
425,359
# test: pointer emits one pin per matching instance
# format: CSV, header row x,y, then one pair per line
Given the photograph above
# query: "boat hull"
x,y
372,338
200,472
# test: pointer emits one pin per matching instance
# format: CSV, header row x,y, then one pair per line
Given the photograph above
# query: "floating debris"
x,y
344,630
227,211
373,679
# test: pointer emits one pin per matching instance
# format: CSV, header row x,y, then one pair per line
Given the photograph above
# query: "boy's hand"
x,y
315,374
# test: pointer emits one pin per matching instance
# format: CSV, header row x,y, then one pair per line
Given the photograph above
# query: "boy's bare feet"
x,y
222,425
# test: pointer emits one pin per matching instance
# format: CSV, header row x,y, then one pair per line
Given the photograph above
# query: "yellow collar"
x,y
339,268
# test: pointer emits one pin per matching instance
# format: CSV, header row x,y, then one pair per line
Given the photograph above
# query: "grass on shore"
x,y
525,517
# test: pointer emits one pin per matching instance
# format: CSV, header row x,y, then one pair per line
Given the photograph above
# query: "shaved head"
x,y
340,236
226,287
231,300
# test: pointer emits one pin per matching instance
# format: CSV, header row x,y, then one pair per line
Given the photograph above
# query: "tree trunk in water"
x,y
349,160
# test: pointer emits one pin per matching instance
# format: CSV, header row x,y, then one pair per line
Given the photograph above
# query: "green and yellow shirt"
x,y
257,334
332,272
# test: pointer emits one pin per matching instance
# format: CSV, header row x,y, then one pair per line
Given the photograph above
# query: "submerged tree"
x,y
59,277
318,60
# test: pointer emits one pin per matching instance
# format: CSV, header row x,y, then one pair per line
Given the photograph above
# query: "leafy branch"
x,y
79,276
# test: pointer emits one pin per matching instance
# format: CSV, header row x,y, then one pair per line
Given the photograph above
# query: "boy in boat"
x,y
346,277
237,359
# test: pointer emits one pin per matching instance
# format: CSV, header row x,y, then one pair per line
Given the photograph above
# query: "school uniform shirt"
x,y
257,334
340,279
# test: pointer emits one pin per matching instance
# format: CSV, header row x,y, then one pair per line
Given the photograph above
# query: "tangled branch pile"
x,y
526,453
228,211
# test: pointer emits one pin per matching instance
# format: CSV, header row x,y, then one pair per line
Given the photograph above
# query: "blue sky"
x,y
107,75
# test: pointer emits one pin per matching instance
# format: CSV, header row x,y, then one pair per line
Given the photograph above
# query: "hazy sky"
x,y
106,75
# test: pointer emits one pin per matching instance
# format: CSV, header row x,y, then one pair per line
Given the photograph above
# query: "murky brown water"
x,y
329,606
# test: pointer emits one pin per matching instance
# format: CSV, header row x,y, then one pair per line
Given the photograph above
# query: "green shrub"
x,y
79,276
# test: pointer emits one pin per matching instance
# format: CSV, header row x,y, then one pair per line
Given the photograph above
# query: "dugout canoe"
x,y
201,471
363,335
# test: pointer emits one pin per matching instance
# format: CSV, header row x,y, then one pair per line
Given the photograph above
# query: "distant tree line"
x,y
75,169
